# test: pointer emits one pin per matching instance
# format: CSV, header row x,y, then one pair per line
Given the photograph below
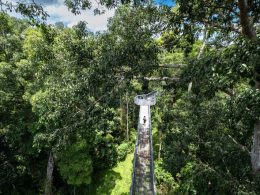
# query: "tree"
x,y
233,18
18,123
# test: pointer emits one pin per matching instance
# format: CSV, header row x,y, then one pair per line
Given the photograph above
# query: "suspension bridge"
x,y
143,181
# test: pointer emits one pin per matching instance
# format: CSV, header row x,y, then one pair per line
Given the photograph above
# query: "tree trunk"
x,y
48,184
255,154
245,20
202,48
160,144
122,116
127,128
249,31
204,40
121,113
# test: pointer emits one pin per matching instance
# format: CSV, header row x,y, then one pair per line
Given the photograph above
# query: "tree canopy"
x,y
67,114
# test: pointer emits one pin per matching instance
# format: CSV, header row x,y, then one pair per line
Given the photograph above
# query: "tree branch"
x,y
158,78
171,65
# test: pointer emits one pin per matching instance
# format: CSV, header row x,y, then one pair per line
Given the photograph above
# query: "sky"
x,y
58,12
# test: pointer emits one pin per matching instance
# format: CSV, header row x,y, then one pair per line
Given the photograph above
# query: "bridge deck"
x,y
142,183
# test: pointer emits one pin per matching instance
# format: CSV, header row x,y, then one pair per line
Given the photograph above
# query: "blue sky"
x,y
166,2
59,13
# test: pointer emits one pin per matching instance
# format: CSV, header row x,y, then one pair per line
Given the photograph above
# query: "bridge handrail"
x,y
151,153
134,163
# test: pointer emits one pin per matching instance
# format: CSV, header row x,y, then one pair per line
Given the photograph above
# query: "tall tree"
x,y
230,17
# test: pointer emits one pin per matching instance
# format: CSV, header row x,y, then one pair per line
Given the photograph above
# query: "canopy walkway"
x,y
143,182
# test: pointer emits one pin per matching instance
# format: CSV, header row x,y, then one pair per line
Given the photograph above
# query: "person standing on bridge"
x,y
144,120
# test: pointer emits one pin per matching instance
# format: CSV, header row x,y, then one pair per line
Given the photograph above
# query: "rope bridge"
x,y
143,182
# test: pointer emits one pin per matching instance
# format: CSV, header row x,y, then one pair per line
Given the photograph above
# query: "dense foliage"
x,y
60,98
66,97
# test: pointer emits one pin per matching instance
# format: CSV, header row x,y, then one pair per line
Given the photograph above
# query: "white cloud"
x,y
59,12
